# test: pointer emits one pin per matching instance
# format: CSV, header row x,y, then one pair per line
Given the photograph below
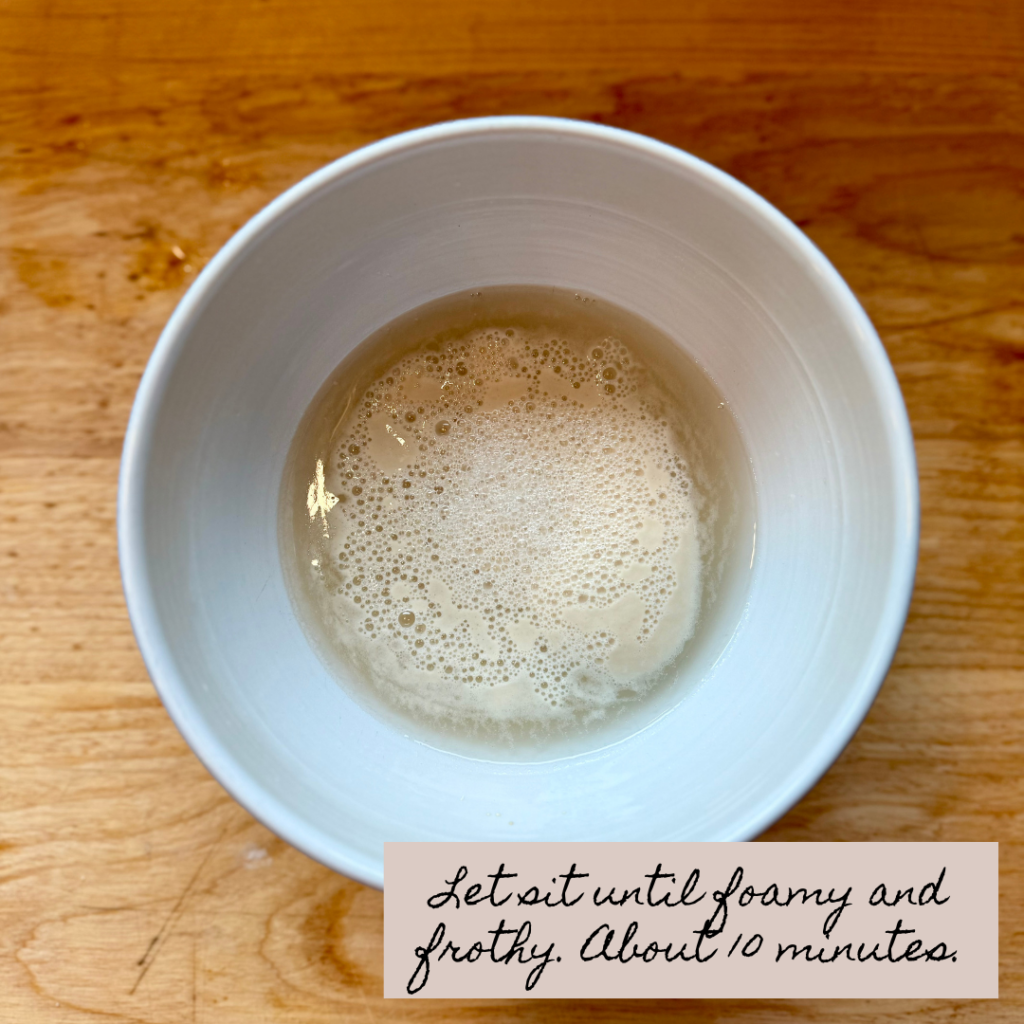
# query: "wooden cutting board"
x,y
136,137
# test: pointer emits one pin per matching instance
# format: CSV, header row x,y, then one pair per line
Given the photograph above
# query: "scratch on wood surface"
x,y
170,922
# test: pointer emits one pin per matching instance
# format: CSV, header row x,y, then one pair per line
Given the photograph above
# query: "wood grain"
x,y
135,138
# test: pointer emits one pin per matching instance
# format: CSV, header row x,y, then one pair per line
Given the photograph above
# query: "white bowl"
x,y
517,201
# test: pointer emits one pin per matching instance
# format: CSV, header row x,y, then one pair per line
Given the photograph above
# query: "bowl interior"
x,y
517,201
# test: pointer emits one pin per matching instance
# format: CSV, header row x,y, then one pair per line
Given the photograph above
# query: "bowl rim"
x,y
139,588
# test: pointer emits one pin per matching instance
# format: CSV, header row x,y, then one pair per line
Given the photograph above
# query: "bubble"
x,y
406,618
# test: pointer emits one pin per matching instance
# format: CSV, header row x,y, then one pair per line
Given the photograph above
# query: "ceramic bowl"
x,y
517,201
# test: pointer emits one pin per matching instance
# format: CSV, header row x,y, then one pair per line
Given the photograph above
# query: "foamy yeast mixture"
x,y
506,531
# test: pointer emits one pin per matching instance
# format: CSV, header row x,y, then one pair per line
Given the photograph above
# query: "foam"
x,y
511,532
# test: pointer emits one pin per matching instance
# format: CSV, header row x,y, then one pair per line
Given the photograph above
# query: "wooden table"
x,y
136,137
